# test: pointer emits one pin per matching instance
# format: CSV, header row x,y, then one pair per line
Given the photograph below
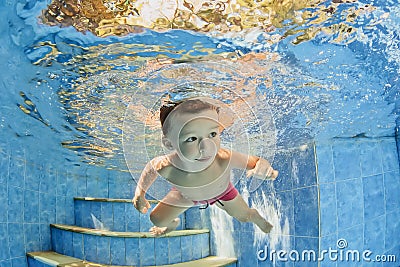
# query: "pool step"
x,y
50,258
129,248
113,214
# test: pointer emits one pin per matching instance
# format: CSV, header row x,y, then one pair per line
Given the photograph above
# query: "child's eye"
x,y
191,139
213,134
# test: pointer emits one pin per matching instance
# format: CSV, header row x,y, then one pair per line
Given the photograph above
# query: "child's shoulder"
x,y
224,153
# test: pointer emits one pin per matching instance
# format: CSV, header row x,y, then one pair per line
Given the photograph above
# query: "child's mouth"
x,y
204,159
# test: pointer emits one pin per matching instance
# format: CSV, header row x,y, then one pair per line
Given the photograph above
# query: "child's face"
x,y
195,137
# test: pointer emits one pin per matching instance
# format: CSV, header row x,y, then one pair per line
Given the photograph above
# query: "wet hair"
x,y
185,106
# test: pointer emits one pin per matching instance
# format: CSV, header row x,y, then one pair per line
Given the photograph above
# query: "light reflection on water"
x,y
309,89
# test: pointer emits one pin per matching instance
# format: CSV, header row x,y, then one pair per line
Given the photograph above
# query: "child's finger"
x,y
144,210
273,175
250,173
269,171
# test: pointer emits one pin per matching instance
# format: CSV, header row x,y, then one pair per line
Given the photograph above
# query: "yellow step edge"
x,y
98,232
59,260
52,258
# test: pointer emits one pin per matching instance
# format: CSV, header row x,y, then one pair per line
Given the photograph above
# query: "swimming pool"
x,y
320,79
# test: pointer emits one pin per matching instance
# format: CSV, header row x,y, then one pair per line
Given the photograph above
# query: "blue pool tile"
x,y
392,189
392,229
133,252
303,167
328,243
77,244
187,247
390,158
57,243
350,203
283,163
144,221
32,179
15,204
32,232
350,239
371,159
61,185
246,253
328,211
19,262
118,249
78,212
306,211
51,181
6,263
145,246
90,247
4,248
4,200
346,159
122,185
326,173
175,249
193,218
285,204
87,220
161,252
197,251
33,263
374,202
95,182
395,252
119,217
354,237
107,215
205,244
45,236
16,240
69,211
132,219
17,173
81,186
287,244
71,182
94,210
61,215
103,250
31,206
47,206
68,243
307,247
374,235
4,168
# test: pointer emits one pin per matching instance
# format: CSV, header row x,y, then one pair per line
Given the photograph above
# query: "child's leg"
x,y
165,215
238,209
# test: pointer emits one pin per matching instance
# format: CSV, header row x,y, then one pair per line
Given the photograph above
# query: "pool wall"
x,y
359,198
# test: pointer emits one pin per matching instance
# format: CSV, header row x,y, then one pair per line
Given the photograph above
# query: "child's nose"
x,y
207,145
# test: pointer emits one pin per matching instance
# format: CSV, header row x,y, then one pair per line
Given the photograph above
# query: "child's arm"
x,y
256,166
147,178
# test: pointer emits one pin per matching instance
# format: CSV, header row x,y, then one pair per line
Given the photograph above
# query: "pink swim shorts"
x,y
229,194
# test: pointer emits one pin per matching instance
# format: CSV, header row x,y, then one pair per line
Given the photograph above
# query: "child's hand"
x,y
141,203
263,170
